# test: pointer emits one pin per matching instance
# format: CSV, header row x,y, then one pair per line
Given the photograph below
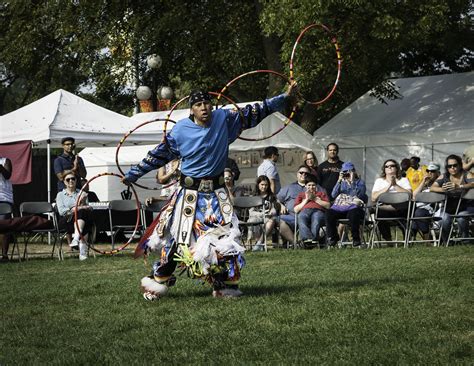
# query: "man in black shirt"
x,y
328,171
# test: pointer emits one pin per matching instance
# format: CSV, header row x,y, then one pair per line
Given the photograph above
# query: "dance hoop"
x,y
123,140
114,251
339,61
284,77
165,140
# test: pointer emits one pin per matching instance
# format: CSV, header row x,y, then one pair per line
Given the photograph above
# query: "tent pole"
x,y
364,159
48,165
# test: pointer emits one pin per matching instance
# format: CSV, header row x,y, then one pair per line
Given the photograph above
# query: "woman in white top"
x,y
66,203
390,181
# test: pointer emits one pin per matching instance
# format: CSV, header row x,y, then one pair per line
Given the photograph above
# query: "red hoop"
x,y
339,60
123,140
284,77
114,251
187,97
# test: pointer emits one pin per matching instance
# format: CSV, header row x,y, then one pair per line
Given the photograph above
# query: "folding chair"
x,y
436,200
121,206
467,196
6,209
246,203
391,198
41,208
154,207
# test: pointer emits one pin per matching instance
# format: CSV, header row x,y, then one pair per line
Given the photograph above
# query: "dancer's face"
x,y
202,111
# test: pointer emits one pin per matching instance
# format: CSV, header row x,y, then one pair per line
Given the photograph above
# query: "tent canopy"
x,y
433,109
434,118
62,114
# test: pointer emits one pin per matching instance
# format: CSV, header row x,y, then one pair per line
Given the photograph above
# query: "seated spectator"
x,y
349,197
310,207
286,197
168,176
415,172
234,191
424,209
6,196
390,181
454,183
311,162
272,209
234,168
66,203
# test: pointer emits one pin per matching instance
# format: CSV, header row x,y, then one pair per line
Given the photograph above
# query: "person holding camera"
x,y
69,161
349,196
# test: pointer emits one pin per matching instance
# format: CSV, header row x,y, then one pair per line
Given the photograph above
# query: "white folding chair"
x,y
243,204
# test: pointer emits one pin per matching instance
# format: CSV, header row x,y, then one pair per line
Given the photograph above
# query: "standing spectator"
x,y
328,171
232,165
272,208
454,183
424,209
69,161
311,163
349,194
234,191
390,180
404,166
66,203
6,196
415,172
286,197
310,207
168,175
268,168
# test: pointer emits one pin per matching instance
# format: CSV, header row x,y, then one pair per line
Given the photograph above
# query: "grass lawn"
x,y
383,306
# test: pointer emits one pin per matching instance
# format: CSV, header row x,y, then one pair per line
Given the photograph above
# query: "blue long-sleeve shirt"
x,y
203,150
356,188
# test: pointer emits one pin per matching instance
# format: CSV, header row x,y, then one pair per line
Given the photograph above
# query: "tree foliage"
x,y
98,48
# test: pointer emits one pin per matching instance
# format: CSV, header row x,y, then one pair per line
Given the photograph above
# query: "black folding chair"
x,y
436,201
123,206
42,209
154,207
400,199
243,204
467,196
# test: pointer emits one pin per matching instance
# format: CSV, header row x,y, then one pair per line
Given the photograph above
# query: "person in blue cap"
x,y
349,195
197,228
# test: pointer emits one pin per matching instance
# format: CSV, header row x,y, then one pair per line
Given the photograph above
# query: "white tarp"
x,y
62,114
434,118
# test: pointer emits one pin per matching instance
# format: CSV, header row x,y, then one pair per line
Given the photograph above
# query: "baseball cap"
x,y
347,166
433,166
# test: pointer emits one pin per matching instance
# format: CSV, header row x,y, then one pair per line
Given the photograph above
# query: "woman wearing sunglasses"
x,y
454,183
390,181
66,202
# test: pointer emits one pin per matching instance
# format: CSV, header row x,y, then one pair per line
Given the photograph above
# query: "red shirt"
x,y
311,204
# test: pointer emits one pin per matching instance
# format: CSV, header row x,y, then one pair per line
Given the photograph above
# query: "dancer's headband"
x,y
198,96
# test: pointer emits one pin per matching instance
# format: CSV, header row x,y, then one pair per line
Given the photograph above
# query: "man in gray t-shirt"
x,y
268,168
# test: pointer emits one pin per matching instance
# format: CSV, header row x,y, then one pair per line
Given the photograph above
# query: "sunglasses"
x,y
449,166
303,173
390,166
431,171
70,179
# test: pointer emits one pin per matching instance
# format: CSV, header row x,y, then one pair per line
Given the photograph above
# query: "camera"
x,y
346,174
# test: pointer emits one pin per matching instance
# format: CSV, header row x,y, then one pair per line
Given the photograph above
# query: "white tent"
x,y
434,118
292,141
62,114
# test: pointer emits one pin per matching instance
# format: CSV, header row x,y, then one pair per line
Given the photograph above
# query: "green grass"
x,y
384,306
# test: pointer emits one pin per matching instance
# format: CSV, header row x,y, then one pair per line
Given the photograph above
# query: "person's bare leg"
x,y
286,232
